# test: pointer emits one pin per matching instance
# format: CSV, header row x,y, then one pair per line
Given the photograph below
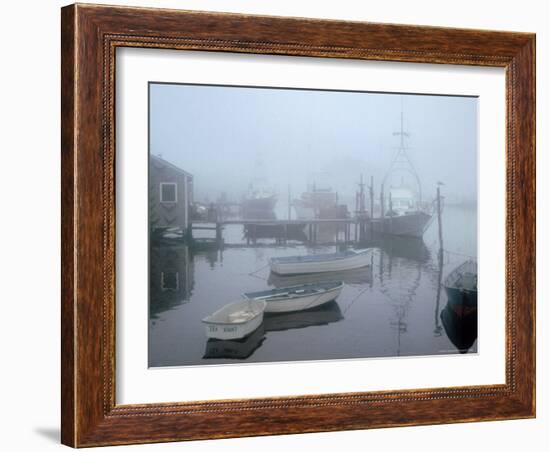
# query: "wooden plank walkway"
x,y
200,224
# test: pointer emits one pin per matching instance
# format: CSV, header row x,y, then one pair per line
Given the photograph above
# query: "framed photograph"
x,y
280,225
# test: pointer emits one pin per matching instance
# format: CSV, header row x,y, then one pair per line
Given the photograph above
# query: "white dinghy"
x,y
318,263
297,298
235,320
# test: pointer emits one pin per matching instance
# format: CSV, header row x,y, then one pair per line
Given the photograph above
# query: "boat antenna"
x,y
402,134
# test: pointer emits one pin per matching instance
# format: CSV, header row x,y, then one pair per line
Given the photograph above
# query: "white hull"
x,y
356,276
235,320
302,303
360,259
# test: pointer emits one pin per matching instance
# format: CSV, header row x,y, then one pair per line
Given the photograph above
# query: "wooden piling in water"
x,y
371,196
286,232
219,236
439,224
391,212
382,208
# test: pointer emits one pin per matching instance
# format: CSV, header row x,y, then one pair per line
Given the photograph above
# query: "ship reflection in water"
x,y
394,307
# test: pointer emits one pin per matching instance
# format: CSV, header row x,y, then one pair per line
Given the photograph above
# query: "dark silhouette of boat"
x,y
460,324
461,285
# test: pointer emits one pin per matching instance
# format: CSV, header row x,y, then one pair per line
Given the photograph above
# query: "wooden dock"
x,y
283,230
289,222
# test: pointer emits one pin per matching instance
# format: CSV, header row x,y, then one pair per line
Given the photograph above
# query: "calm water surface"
x,y
394,308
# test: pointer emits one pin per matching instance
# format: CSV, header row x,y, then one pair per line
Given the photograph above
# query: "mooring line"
x,y
353,301
459,254
254,275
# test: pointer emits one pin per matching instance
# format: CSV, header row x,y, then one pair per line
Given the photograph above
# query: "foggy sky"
x,y
216,133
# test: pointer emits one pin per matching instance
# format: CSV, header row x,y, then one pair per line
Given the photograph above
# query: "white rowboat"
x,y
317,263
297,298
235,320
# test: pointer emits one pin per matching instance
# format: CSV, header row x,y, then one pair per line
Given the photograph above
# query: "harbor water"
x,y
394,307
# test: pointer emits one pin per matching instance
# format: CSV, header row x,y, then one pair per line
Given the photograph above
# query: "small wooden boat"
x,y
235,320
317,263
461,284
297,298
356,276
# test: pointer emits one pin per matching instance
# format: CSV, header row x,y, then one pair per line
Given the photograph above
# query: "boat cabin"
x,y
403,200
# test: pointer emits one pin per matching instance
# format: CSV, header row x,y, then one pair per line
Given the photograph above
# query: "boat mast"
x,y
401,161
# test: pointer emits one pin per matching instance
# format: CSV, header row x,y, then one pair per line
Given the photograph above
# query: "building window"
x,y
169,281
168,192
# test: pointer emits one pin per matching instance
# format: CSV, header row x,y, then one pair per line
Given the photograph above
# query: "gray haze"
x,y
217,134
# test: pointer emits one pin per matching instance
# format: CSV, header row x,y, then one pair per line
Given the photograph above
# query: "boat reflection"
x,y
353,277
321,315
236,348
171,278
410,248
400,271
460,324
245,347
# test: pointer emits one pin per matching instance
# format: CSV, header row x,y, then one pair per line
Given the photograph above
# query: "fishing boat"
x,y
235,320
316,202
258,204
317,263
297,298
260,199
402,212
461,284
400,223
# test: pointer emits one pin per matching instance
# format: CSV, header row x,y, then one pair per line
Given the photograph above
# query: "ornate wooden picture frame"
x,y
90,37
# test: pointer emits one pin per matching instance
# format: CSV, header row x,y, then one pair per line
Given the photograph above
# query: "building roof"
x,y
171,165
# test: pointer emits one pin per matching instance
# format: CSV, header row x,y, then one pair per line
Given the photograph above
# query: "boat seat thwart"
x,y
467,281
240,316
